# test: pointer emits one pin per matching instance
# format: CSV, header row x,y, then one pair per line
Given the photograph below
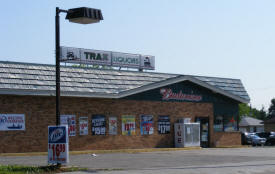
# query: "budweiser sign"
x,y
167,94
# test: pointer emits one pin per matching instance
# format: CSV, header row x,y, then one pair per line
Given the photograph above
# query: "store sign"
x,y
146,124
83,126
98,125
164,125
106,58
70,121
125,60
9,122
128,125
168,94
112,125
58,144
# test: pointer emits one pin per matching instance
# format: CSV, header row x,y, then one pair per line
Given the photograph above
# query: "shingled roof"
x,y
249,121
39,79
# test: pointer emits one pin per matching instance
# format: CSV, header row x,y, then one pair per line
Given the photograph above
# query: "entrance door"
x,y
204,130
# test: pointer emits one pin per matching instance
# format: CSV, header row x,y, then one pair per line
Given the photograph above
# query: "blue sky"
x,y
228,38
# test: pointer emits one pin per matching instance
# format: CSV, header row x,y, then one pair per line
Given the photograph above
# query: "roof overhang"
x,y
178,79
123,94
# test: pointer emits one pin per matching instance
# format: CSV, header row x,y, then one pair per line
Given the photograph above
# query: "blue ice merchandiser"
x,y
187,135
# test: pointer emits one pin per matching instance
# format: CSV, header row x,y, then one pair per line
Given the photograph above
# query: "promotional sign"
x,y
168,94
146,125
164,125
12,122
98,125
70,121
83,126
112,125
58,144
106,58
128,125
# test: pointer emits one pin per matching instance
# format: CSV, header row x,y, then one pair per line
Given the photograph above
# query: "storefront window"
x,y
218,124
230,123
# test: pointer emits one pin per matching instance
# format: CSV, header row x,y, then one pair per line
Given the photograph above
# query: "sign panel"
x,y
125,60
58,144
106,58
83,126
112,125
128,125
164,125
96,57
85,56
147,62
146,124
70,121
98,125
168,94
10,122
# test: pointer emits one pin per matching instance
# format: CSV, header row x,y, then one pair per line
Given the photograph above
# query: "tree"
x,y
271,109
245,110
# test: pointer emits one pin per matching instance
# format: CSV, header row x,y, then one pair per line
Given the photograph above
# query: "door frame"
x,y
208,137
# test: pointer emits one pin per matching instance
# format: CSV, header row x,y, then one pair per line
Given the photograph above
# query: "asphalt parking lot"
x,y
257,160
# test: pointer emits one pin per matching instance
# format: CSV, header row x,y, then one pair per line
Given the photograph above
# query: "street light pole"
x,y
82,15
57,65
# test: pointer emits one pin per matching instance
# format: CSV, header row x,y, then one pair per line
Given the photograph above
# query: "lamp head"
x,y
84,15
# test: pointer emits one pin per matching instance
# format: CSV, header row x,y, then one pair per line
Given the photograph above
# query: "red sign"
x,y
167,94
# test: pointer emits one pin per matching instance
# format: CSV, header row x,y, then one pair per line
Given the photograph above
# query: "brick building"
x,y
111,109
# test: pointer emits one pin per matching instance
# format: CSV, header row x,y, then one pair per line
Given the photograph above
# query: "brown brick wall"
x,y
221,139
40,112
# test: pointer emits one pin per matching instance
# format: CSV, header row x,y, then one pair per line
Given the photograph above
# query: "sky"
x,y
228,38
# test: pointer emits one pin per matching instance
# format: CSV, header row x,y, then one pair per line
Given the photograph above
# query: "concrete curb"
x,y
104,151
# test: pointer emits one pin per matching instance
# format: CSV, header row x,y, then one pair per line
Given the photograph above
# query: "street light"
x,y
82,15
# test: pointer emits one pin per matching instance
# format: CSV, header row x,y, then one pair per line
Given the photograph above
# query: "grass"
x,y
16,169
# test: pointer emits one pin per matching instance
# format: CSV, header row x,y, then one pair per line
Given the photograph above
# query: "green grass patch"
x,y
16,169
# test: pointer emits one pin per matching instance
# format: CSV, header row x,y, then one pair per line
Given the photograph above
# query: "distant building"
x,y
269,125
249,124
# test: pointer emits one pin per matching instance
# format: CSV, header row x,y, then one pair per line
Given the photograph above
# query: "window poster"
x,y
12,122
112,125
146,124
83,126
230,124
128,125
163,124
70,121
98,125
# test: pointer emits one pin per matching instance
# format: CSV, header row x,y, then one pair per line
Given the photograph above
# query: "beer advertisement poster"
x,y
70,121
164,125
112,125
98,125
128,125
83,126
146,124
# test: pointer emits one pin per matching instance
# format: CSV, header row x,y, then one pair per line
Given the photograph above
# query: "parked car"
x,y
269,136
246,138
256,140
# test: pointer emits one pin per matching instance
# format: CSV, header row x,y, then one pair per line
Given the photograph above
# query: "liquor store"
x,y
114,109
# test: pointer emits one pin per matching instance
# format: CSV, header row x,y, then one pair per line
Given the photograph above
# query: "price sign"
x,y
58,144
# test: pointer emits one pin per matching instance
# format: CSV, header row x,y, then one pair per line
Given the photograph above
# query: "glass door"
x,y
204,130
